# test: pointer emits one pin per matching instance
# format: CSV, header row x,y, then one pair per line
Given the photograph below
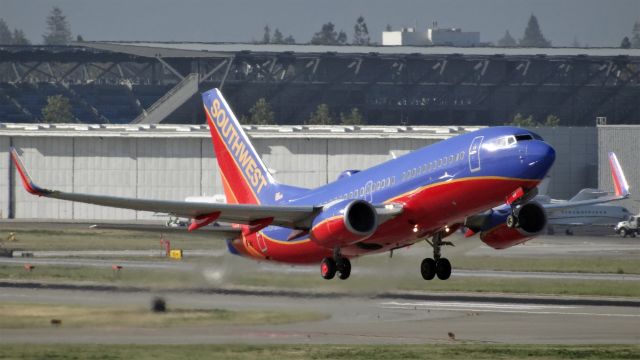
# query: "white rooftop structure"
x,y
432,37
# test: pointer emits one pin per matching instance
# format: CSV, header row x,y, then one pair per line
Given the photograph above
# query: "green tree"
x,y
388,28
361,32
5,33
58,29
521,121
322,116
635,35
507,40
625,44
533,35
19,38
289,40
266,38
261,113
79,38
342,38
352,118
552,121
328,36
58,110
277,37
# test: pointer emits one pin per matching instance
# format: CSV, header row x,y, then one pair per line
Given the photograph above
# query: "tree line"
x,y
262,114
58,31
327,35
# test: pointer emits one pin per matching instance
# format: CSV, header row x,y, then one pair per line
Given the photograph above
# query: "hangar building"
x,y
177,161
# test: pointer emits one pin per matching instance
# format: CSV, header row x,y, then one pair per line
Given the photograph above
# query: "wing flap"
x,y
223,230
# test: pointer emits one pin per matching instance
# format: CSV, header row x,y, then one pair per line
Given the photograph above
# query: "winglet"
x,y
619,180
28,184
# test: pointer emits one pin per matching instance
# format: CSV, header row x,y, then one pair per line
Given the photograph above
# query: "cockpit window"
x,y
536,136
502,142
524,137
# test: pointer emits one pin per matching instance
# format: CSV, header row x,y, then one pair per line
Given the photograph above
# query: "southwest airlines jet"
x,y
484,181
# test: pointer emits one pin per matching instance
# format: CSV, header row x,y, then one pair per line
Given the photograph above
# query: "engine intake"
x,y
531,218
506,228
344,223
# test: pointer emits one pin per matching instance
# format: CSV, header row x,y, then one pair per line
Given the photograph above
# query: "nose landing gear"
x,y
438,266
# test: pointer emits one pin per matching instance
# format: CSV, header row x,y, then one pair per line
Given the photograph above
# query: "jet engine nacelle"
x,y
506,228
343,223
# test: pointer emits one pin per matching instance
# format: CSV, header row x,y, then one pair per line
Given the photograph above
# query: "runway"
x,y
376,319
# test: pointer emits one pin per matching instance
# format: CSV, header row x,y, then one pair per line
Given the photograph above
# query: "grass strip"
x,y
293,352
21,316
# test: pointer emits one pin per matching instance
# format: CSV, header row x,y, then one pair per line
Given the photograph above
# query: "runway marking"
x,y
496,308
478,305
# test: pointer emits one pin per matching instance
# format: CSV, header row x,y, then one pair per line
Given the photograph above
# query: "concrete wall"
x,y
174,167
49,159
576,165
624,140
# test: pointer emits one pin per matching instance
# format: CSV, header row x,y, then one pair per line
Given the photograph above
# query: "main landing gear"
x,y
336,264
438,265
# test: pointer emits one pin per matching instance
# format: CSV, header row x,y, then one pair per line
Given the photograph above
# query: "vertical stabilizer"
x,y
245,178
619,180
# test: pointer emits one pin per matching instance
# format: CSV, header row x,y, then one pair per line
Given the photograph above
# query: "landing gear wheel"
x,y
344,268
512,221
328,268
443,269
428,268
569,232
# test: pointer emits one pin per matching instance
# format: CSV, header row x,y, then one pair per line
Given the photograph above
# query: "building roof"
x,y
184,49
202,131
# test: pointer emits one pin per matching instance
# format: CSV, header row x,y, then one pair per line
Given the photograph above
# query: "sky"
x,y
594,23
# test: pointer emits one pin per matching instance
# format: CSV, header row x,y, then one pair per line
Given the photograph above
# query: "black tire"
x,y
328,268
443,269
344,268
428,269
632,234
623,232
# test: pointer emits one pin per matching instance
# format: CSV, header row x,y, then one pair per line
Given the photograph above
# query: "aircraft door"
x,y
261,241
474,153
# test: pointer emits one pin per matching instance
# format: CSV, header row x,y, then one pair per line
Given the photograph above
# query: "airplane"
x,y
586,215
426,194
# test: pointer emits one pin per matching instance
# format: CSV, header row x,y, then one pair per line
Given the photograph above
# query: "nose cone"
x,y
539,159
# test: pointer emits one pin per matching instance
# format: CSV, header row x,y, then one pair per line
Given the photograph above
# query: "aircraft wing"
x,y
295,217
573,204
281,215
619,182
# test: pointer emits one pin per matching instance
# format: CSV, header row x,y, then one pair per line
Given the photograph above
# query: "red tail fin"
x,y
245,178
